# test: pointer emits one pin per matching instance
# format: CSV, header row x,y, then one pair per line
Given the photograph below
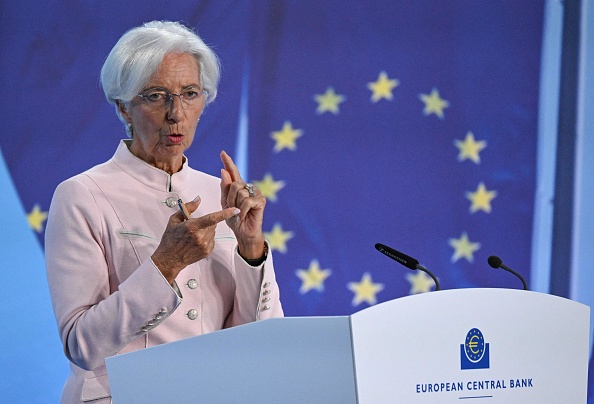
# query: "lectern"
x,y
475,345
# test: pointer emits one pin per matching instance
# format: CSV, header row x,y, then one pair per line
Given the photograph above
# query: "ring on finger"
x,y
250,188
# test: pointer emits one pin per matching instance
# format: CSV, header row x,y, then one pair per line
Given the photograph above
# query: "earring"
x,y
129,130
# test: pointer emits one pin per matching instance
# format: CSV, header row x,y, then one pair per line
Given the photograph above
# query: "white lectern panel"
x,y
287,360
523,347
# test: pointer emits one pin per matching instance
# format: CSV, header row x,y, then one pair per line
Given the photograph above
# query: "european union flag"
x,y
412,124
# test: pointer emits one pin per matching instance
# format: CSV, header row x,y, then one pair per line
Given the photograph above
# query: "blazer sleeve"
x,y
96,319
257,295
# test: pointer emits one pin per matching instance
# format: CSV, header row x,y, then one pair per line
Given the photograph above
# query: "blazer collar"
x,y
146,173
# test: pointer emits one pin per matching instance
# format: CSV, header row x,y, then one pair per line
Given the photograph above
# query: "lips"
x,y
175,138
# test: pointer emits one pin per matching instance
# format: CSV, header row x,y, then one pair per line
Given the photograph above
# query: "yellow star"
x,y
313,277
470,148
37,218
365,290
278,238
434,104
382,88
286,138
463,247
420,282
481,199
269,187
329,101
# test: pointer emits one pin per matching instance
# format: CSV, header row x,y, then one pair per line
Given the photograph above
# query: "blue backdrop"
x,y
412,124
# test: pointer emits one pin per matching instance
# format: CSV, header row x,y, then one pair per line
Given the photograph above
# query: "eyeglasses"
x,y
162,99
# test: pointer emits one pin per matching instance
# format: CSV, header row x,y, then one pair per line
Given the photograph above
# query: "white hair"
x,y
139,52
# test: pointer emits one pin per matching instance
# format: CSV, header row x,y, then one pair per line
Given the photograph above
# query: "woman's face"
x,y
162,132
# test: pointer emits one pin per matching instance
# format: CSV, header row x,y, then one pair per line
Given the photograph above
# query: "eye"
x,y
190,94
155,96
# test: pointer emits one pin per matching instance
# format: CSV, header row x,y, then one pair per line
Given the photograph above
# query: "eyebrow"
x,y
169,91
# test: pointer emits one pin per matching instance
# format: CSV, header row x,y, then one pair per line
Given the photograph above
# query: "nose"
x,y
175,109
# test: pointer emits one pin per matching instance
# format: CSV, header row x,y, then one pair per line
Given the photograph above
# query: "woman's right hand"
x,y
187,241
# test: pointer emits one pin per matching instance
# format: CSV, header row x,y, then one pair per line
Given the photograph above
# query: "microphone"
x,y
405,260
496,262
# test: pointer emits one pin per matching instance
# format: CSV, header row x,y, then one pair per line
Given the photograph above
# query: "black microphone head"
x,y
494,261
404,259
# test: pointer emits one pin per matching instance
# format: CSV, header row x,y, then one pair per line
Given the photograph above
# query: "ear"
x,y
123,111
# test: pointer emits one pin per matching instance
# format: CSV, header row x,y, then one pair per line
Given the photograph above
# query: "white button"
x,y
192,314
151,323
266,292
266,300
163,311
266,308
192,283
145,329
266,285
171,202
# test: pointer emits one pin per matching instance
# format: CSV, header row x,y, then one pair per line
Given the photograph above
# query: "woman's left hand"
x,y
247,226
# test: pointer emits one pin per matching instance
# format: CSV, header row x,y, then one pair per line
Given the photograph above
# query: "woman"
x,y
129,264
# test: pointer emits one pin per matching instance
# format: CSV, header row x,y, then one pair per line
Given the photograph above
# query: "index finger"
x,y
230,167
213,218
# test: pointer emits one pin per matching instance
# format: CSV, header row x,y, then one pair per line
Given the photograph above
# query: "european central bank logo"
x,y
474,352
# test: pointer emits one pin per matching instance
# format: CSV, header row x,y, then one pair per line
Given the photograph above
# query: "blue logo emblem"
x,y
474,352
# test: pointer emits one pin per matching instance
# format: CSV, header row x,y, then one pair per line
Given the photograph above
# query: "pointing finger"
x,y
230,166
213,218
225,183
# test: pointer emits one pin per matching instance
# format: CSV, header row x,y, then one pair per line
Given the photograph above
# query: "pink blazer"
x,y
108,296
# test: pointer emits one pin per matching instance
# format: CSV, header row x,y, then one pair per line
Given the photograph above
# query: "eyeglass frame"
x,y
169,97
